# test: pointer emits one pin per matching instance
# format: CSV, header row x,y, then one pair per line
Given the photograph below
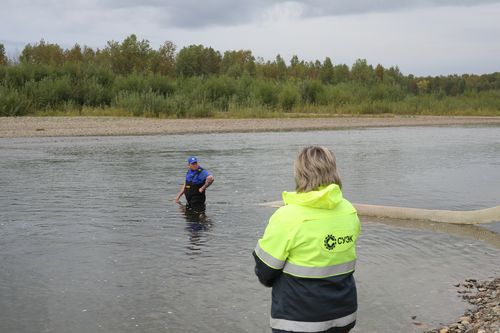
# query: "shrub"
x,y
94,94
160,84
288,97
17,76
219,90
142,104
13,103
310,91
266,92
341,95
130,83
243,90
376,107
49,92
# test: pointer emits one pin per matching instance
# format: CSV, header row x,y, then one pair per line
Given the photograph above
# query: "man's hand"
x,y
208,182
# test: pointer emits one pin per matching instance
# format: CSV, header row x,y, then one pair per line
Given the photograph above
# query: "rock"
x,y
484,317
472,330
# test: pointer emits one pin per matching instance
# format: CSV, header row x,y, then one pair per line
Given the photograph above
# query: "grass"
x,y
263,112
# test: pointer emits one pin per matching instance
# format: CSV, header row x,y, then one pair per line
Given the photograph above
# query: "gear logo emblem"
x,y
330,242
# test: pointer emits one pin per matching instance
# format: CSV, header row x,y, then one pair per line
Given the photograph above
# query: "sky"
x,y
421,37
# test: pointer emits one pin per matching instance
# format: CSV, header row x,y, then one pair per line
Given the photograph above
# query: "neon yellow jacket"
x,y
308,254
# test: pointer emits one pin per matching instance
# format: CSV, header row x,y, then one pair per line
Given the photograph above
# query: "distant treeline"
x,y
132,78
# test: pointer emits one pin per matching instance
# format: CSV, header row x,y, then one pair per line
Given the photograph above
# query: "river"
x,y
92,242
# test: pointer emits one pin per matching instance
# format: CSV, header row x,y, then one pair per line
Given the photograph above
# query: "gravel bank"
x,y
11,127
485,316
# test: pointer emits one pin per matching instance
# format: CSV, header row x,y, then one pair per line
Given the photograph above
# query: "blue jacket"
x,y
196,177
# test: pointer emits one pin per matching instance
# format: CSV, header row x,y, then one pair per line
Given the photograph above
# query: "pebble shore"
x,y
484,317
11,127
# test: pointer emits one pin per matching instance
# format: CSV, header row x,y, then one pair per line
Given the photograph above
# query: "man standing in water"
x,y
196,182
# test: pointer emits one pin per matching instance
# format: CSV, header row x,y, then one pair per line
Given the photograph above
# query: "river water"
x,y
90,240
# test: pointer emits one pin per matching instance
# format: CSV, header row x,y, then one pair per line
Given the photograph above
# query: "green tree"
x,y
393,76
236,63
196,60
3,56
88,54
423,86
297,68
211,61
411,84
130,56
313,69
280,68
163,61
42,53
74,54
341,74
362,72
379,72
326,73
267,69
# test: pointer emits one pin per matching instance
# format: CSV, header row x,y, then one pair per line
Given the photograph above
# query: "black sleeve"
x,y
267,275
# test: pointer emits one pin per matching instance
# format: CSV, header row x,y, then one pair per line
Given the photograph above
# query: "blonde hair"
x,y
315,166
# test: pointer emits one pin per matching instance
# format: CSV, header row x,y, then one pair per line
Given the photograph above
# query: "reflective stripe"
x,y
269,259
304,271
306,326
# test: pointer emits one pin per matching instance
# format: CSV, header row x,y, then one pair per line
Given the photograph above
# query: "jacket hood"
x,y
326,197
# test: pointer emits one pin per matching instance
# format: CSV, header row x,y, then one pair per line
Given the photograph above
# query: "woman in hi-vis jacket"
x,y
308,251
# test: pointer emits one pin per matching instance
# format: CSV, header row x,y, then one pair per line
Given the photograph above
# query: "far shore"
x,y
16,127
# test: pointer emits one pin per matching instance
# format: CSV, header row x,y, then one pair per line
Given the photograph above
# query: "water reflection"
x,y
197,223
468,231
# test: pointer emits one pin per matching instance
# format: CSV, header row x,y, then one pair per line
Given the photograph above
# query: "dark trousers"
x,y
329,331
344,329
195,199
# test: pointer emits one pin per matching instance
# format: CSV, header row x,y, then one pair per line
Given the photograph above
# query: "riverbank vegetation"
x,y
130,78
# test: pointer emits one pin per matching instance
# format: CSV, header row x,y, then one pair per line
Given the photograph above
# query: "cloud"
x,y
421,36
198,14
317,8
193,14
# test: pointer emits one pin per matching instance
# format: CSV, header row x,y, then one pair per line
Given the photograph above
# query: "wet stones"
x,y
485,316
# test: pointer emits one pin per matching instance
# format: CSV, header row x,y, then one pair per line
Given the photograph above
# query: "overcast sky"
x,y
422,37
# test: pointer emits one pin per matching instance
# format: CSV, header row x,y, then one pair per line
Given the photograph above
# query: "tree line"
x,y
132,78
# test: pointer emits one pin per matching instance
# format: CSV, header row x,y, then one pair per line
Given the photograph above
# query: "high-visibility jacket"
x,y
308,255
